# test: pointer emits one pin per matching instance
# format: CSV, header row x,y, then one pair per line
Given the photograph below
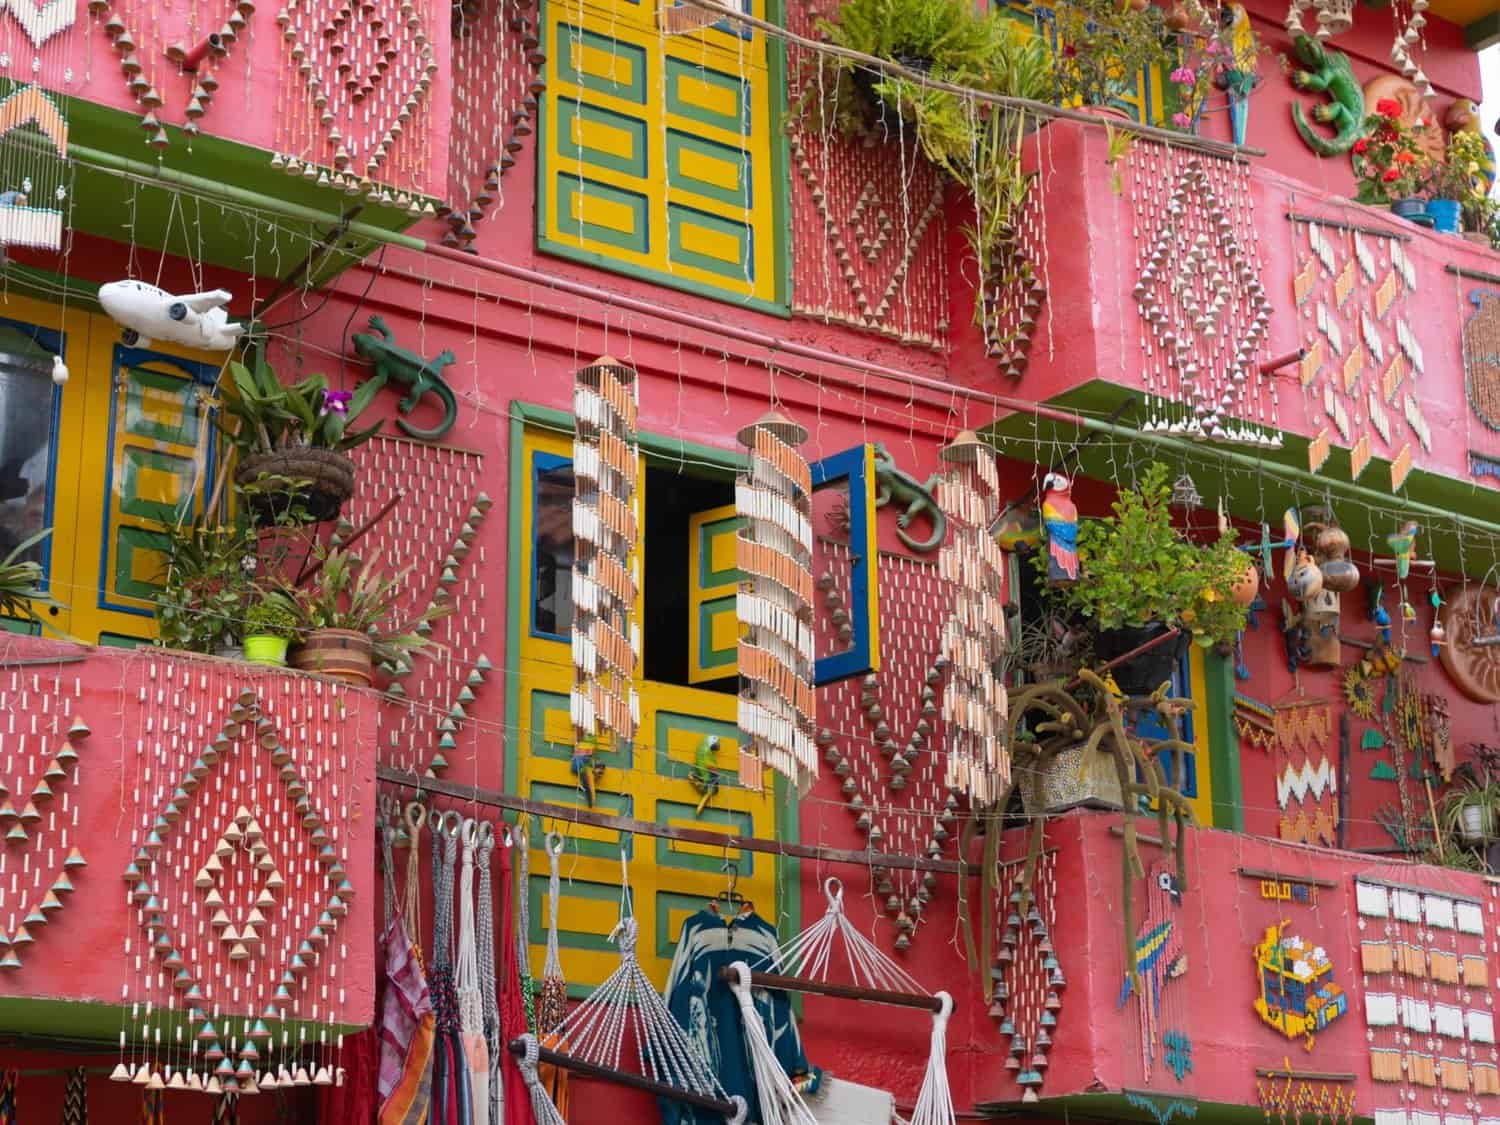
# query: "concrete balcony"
x,y
1389,1010
1153,268
189,845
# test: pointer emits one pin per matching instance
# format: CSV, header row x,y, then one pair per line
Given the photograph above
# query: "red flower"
x,y
1388,108
1390,174
1405,157
1361,146
1069,51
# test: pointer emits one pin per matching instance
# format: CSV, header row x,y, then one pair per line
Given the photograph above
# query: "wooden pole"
x,y
624,1078
837,991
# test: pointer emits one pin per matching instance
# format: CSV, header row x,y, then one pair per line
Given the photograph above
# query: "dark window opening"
x,y
671,498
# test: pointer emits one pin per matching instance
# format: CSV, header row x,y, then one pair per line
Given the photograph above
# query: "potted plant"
x,y
977,146
270,626
1139,578
1449,185
1388,164
297,433
21,580
1104,46
350,617
207,585
1468,813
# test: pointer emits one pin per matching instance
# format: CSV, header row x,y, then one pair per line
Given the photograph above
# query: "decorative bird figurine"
x,y
1018,527
1239,77
1379,615
1060,519
1403,545
1158,955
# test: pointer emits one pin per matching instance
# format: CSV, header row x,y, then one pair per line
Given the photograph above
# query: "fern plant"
x,y
21,582
975,144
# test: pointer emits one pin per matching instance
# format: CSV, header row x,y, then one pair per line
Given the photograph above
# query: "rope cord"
x,y
488,1000
413,874
780,1104
627,1007
523,925
388,873
541,1105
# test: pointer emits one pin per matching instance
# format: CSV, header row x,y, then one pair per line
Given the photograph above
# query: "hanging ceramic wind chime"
x,y
974,638
606,571
774,605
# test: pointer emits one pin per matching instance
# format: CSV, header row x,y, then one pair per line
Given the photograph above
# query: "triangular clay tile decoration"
x,y
41,843
1028,987
881,735
240,832
443,501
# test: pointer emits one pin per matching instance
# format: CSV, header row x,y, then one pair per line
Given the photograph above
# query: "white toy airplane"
x,y
147,313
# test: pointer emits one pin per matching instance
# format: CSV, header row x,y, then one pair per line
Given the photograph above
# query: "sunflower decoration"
x,y
1360,678
1359,692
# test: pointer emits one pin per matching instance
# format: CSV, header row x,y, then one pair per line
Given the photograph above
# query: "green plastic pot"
x,y
266,650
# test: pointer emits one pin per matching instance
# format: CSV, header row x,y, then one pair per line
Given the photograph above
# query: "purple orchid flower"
x,y
335,402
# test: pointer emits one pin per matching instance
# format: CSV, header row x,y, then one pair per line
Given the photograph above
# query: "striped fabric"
x,y
406,1032
153,1108
8,1097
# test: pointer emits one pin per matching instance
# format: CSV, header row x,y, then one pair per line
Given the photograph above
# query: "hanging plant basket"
x,y
342,654
1145,673
1068,781
319,479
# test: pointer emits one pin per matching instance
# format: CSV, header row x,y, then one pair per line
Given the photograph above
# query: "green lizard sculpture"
x,y
893,484
1327,71
422,375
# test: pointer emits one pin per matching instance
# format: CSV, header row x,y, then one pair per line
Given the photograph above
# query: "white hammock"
x,y
833,938
627,1007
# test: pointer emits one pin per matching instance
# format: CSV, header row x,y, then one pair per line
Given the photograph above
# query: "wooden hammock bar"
x,y
567,815
625,1078
837,991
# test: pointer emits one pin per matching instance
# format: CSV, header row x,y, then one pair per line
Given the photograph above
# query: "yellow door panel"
x,y
713,582
149,439
651,781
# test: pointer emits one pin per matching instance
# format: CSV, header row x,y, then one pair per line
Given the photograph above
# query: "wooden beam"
x,y
497,800
837,991
625,1078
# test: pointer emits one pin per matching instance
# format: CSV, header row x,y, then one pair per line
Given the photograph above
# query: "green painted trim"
x,y
511,720
633,127
52,288
85,1020
680,217
780,304
660,446
1223,742
781,154
641,273
731,156
637,241
739,122
634,91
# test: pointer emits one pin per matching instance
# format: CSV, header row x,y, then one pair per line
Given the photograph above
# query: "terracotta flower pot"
x,y
1247,585
342,654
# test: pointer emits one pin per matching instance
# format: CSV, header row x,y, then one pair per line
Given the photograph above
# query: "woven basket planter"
x,y
328,477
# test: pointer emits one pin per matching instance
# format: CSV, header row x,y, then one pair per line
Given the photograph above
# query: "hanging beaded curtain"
x,y
774,605
974,703
606,573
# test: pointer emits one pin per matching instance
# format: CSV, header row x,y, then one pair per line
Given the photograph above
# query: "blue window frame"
x,y
1146,726
857,467
551,546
